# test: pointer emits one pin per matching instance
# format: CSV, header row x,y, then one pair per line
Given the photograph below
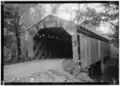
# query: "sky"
x,y
66,11
103,28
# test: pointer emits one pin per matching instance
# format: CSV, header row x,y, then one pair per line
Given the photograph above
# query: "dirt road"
x,y
28,68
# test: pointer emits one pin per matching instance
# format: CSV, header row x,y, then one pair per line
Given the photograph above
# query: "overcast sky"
x,y
66,11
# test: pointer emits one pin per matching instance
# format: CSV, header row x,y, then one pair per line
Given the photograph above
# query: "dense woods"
x,y
18,18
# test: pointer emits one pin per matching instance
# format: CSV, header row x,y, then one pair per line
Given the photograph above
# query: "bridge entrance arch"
x,y
53,42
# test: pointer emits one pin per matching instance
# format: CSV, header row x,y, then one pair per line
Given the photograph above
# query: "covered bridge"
x,y
58,38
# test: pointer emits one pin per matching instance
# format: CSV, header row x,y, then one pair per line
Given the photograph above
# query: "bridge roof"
x,y
69,26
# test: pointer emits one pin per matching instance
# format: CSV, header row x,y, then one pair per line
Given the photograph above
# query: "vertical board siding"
x,y
85,48
97,56
92,50
99,48
94,53
107,44
102,50
79,47
85,52
78,39
106,49
82,49
75,48
89,49
101,54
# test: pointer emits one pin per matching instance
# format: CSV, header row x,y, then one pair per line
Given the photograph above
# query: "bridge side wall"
x,y
92,50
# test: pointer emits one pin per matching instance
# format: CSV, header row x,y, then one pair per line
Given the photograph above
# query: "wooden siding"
x,y
92,50
75,48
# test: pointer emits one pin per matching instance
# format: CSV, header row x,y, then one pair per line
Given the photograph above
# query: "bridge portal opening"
x,y
53,43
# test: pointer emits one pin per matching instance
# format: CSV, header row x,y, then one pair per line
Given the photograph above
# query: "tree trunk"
x,y
18,46
18,35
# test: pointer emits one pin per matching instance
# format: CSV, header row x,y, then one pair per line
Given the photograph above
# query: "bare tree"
x,y
12,15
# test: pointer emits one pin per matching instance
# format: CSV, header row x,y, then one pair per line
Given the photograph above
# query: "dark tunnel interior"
x,y
53,43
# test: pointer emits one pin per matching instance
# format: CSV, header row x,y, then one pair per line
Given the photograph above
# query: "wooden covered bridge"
x,y
58,38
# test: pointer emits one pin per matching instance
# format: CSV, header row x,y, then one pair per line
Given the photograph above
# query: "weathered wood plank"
x,y
75,48
38,46
42,50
